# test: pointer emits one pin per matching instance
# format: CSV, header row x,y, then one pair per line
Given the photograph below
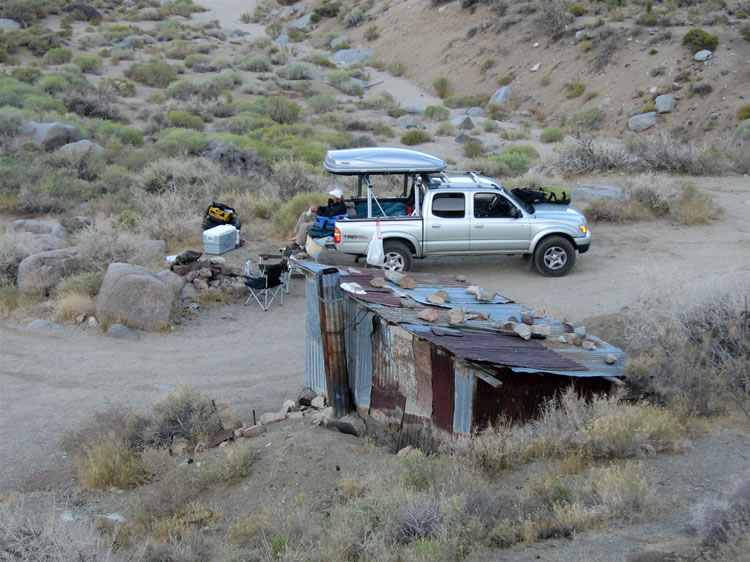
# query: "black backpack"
x,y
219,214
545,194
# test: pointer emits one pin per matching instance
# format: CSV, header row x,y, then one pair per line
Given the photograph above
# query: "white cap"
x,y
336,193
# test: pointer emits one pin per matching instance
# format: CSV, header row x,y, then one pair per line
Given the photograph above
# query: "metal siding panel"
x,y
387,403
464,396
443,388
359,351
315,375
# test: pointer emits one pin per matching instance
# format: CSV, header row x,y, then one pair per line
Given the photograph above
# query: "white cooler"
x,y
219,239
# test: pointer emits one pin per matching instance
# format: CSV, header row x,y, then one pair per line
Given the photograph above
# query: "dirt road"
x,y
54,379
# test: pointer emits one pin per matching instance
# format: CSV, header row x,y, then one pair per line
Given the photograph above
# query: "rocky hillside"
x,y
561,58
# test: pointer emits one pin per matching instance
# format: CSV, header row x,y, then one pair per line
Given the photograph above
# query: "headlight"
x,y
583,228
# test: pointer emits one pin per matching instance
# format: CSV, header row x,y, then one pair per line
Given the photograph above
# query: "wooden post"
x,y
334,347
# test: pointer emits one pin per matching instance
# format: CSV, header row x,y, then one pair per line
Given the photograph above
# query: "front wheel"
x,y
397,256
554,256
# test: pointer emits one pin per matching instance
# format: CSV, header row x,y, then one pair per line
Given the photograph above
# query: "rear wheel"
x,y
554,256
397,256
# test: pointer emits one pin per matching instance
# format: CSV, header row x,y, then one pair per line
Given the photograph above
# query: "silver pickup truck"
x,y
437,214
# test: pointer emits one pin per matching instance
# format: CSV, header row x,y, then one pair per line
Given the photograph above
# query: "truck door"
x,y
446,229
497,224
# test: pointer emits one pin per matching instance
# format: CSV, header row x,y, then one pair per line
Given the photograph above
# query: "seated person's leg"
x,y
301,232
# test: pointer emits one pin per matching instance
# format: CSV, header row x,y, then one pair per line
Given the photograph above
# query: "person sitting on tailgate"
x,y
334,208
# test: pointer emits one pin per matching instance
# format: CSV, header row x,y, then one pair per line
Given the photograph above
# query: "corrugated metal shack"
x,y
425,380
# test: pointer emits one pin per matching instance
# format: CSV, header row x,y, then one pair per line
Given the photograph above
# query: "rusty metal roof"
x,y
497,348
479,338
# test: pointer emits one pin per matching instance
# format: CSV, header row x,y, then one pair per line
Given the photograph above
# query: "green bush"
x,y
518,159
25,12
466,100
89,64
255,63
26,74
552,134
575,89
175,142
53,84
198,62
744,112
178,49
295,71
743,130
184,120
435,113
281,110
125,134
42,104
585,117
415,136
88,283
154,73
697,40
58,55
577,10
321,103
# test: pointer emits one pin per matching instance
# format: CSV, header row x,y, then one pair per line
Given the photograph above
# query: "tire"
x,y
397,256
554,256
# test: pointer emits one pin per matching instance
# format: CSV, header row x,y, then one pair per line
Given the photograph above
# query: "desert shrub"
x,y
725,525
10,296
109,464
589,154
119,54
693,346
99,103
353,17
397,68
371,33
185,120
552,134
321,103
181,141
184,413
383,130
473,149
255,63
290,211
89,64
743,130
28,75
198,62
72,305
585,118
577,10
518,159
25,12
575,89
553,18
178,49
192,178
466,100
435,113
295,71
266,209
515,134
446,129
125,134
43,104
281,110
86,283
697,40
154,73
743,113
663,152
442,87
295,177
12,252
58,56
415,136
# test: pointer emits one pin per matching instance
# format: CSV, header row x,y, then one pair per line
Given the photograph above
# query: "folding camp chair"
x,y
268,285
290,267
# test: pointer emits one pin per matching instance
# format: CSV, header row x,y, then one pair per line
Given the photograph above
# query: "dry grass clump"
x,y
692,344
49,537
603,427
108,464
72,304
726,524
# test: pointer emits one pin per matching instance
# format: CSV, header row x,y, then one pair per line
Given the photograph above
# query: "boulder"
x,y
594,192
702,56
411,109
253,431
122,333
49,136
501,96
665,103
340,42
43,325
351,424
172,280
37,243
318,402
463,122
302,22
642,122
36,226
476,111
135,296
271,417
345,57
80,147
306,396
39,273
7,23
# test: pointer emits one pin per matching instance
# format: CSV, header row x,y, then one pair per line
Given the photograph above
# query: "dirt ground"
x,y
53,379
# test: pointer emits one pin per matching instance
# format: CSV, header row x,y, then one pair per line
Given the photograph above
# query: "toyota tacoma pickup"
x,y
440,214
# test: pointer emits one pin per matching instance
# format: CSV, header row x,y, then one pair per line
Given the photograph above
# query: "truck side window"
x,y
491,205
449,205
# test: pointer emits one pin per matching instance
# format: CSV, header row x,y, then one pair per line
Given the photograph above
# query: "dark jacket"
x,y
332,209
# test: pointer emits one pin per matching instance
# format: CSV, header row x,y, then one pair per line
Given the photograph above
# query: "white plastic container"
x,y
219,239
